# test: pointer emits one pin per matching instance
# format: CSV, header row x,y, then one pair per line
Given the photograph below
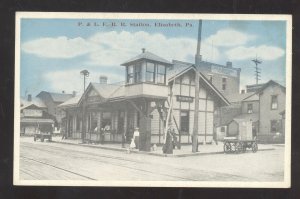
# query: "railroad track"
x,y
54,166
128,163
135,165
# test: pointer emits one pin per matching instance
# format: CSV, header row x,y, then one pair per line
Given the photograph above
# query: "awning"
x,y
247,117
36,120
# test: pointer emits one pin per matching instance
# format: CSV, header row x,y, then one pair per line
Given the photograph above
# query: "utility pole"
x,y
198,59
257,71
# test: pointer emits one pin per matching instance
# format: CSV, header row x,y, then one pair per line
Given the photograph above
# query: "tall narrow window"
x,y
274,126
130,73
224,81
184,122
161,74
250,108
150,71
137,73
210,78
274,102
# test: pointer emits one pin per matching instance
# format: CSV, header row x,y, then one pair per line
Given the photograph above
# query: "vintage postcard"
x,y
154,100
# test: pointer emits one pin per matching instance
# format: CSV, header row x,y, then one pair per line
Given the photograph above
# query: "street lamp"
x,y
85,74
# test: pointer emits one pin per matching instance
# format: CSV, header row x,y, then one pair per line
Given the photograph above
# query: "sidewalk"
x,y
186,150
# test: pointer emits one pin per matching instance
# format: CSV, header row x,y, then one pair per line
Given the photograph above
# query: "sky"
x,y
54,51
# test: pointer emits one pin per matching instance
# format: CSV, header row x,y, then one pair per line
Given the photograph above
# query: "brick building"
x,y
225,78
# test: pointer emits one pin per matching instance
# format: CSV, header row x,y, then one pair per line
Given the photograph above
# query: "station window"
x,y
184,122
274,102
137,73
250,108
130,74
150,71
161,74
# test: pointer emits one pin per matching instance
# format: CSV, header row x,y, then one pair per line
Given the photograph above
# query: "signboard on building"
x,y
93,99
223,70
181,98
32,113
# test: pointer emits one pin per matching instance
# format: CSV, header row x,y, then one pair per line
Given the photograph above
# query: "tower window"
x,y
161,74
130,74
150,72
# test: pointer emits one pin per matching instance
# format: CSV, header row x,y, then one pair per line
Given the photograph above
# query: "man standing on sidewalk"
x,y
136,137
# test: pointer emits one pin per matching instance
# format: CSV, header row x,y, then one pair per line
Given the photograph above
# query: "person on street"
x,y
215,137
169,145
136,137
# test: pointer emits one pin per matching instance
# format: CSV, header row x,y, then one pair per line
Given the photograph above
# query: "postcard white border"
x,y
286,183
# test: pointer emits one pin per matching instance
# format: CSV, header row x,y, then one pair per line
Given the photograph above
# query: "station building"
x,y
113,111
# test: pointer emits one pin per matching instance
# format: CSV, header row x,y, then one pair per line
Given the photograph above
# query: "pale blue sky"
x,y
54,51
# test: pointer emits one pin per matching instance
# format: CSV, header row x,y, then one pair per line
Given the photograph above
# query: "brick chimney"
x,y
29,98
103,79
229,64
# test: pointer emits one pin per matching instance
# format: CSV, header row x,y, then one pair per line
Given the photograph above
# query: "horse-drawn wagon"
x,y
240,137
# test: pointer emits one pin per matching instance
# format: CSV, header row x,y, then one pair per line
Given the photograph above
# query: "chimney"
x,y
143,50
229,64
29,98
198,57
63,92
243,91
74,93
103,79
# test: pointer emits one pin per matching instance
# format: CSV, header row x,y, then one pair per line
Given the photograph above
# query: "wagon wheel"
x,y
239,147
254,147
233,147
227,147
244,148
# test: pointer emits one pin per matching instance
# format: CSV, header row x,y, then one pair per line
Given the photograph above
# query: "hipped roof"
x,y
148,56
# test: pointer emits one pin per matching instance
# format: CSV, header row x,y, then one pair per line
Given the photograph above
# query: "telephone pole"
x,y
257,71
198,59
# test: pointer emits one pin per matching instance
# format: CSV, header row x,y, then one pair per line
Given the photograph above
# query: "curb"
x,y
148,153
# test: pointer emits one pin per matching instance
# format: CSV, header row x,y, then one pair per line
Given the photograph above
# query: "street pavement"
x,y
58,161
